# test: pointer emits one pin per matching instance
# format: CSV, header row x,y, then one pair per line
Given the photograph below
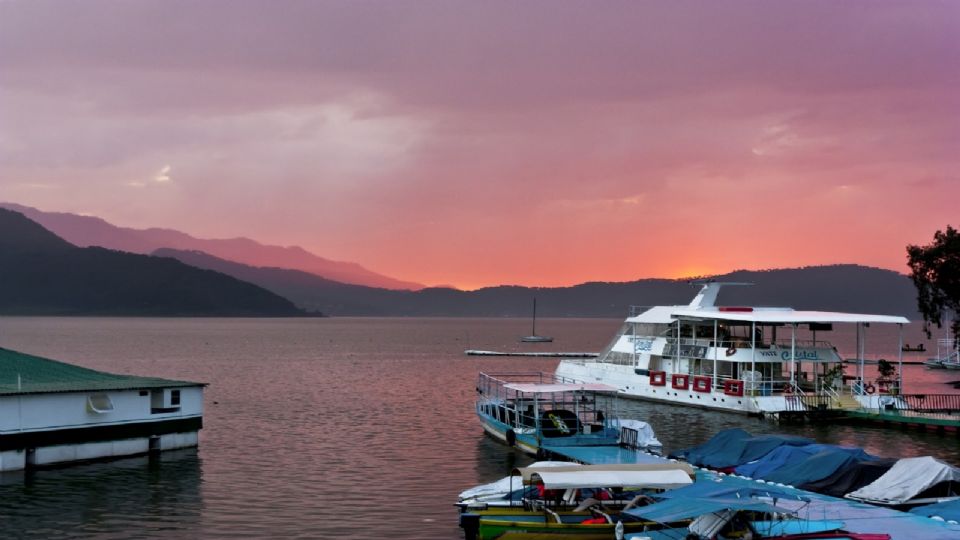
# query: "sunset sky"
x,y
480,143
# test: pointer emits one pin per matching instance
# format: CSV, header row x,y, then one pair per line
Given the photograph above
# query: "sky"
x,y
480,143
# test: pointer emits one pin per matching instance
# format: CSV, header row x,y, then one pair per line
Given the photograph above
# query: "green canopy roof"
x,y
27,374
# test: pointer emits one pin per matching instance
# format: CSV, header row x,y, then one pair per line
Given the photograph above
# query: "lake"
x,y
340,427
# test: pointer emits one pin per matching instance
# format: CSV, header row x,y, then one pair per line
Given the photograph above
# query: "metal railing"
x,y
801,402
949,403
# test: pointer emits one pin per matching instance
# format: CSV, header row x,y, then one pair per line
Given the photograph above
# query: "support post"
x,y
863,374
716,347
753,355
793,356
900,360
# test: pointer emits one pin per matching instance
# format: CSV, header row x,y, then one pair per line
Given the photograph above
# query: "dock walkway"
x,y
545,354
928,420
857,517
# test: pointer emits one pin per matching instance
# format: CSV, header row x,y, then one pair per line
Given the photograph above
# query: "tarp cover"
x,y
706,497
947,510
733,447
795,465
850,477
905,480
645,436
504,486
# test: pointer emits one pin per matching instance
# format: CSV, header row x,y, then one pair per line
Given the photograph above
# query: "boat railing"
x,y
633,311
686,343
948,350
935,403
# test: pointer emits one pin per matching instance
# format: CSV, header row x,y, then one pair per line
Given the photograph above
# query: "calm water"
x,y
319,428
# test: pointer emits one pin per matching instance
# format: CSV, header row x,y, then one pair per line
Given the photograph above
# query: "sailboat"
x,y
533,337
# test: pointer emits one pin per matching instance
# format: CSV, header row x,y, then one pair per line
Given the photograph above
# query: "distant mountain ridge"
x,y
85,231
846,287
42,274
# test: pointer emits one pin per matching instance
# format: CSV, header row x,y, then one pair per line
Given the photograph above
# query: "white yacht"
x,y
742,359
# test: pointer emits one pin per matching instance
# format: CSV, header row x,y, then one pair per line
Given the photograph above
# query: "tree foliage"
x,y
935,271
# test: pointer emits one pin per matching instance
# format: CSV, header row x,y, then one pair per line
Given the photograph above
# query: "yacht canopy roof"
x,y
668,314
660,475
553,388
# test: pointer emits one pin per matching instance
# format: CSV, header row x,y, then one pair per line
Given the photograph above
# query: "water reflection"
x,y
320,428
142,493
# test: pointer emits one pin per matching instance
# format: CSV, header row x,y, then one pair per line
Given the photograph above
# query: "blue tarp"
x,y
706,489
697,454
818,466
733,447
949,510
705,497
672,510
795,465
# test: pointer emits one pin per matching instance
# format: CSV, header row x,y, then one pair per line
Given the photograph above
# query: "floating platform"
x,y
474,352
857,517
53,413
933,421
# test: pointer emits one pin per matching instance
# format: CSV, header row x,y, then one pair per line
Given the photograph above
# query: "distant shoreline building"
x,y
52,413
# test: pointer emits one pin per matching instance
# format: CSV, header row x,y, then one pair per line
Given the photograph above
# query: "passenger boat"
x,y
534,410
556,509
731,358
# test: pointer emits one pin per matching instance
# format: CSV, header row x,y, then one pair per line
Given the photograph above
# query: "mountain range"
x,y
87,231
837,287
43,274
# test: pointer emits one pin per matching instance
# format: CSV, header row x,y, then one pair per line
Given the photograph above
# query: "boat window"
x,y
99,403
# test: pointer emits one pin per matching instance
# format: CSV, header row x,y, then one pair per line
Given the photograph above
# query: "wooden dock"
x,y
474,352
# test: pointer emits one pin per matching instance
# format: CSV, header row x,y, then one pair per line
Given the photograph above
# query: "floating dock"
x,y
53,413
922,420
474,352
857,517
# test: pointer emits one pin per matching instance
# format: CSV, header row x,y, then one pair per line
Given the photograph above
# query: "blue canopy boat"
x,y
534,410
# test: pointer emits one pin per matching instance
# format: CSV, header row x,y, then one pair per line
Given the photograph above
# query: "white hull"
x,y
636,386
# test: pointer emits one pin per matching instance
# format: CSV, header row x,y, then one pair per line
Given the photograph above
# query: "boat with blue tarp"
x,y
533,410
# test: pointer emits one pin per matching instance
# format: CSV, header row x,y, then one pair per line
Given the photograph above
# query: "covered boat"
x,y
912,481
733,447
817,466
849,477
795,465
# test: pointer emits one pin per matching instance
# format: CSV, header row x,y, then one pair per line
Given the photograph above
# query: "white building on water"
x,y
52,412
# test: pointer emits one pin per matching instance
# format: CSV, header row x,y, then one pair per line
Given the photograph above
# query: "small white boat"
x,y
735,358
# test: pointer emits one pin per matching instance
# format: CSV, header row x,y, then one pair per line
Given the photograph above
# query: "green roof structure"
x,y
22,373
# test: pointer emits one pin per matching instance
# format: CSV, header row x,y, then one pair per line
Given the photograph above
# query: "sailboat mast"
x,y
534,317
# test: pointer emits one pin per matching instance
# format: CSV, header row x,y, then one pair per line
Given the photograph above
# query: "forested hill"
x,y
839,287
42,274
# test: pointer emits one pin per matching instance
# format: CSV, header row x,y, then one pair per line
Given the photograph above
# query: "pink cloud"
x,y
536,143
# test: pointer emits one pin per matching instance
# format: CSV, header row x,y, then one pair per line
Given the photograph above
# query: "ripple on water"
x,y
319,428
